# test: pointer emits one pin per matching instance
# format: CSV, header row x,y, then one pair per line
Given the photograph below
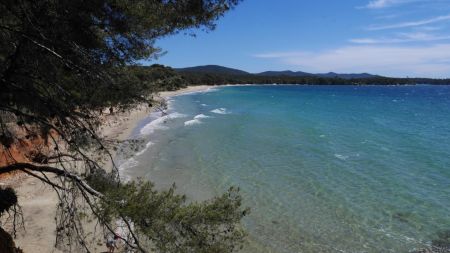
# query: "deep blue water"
x,y
323,168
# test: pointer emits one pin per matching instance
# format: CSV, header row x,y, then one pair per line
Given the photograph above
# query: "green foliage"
x,y
158,77
63,61
166,222
7,244
8,199
214,78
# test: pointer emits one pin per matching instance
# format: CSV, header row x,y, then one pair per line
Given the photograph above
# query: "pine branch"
x,y
54,170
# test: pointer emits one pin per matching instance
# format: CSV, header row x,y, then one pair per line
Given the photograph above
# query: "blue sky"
x,y
388,37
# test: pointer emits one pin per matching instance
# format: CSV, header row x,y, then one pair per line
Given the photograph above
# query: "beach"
x,y
38,200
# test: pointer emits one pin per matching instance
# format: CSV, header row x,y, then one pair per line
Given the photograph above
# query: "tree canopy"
x,y
62,62
57,57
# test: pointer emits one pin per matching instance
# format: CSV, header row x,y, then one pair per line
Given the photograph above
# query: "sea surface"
x,y
323,168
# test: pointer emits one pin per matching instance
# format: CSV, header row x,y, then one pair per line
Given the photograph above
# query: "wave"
x,y
341,157
144,149
130,163
159,123
169,103
196,120
192,122
212,89
220,111
201,116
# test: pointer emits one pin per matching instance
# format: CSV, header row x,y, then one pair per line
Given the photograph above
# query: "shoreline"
x,y
38,200
121,125
187,90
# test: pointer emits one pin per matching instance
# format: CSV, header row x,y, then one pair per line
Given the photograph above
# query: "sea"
x,y
322,168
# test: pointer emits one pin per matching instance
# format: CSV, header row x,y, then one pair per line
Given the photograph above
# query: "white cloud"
x,y
421,36
402,38
431,61
411,23
429,28
378,4
388,16
381,4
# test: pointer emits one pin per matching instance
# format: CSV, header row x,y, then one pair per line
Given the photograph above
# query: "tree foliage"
x,y
165,222
211,78
62,62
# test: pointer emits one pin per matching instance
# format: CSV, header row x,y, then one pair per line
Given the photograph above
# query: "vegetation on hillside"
x,y
213,77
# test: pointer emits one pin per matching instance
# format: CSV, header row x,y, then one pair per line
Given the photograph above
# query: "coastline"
x,y
38,201
187,90
121,125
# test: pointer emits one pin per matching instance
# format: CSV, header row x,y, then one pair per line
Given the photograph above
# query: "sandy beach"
x,y
38,200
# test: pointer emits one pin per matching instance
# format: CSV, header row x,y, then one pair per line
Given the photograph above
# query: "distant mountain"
x,y
346,76
220,70
326,75
284,73
213,69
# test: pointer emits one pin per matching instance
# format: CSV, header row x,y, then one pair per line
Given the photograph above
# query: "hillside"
x,y
347,76
213,69
220,70
284,73
217,75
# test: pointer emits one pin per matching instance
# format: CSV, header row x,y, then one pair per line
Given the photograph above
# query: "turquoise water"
x,y
323,168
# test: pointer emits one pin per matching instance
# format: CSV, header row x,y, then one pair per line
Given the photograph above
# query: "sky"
x,y
399,38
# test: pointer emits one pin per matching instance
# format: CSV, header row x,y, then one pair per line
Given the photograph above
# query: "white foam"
x,y
201,116
159,123
169,103
341,157
192,122
144,149
220,111
175,115
204,105
211,89
130,163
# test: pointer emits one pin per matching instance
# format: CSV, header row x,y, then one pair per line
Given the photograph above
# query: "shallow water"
x,y
323,168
